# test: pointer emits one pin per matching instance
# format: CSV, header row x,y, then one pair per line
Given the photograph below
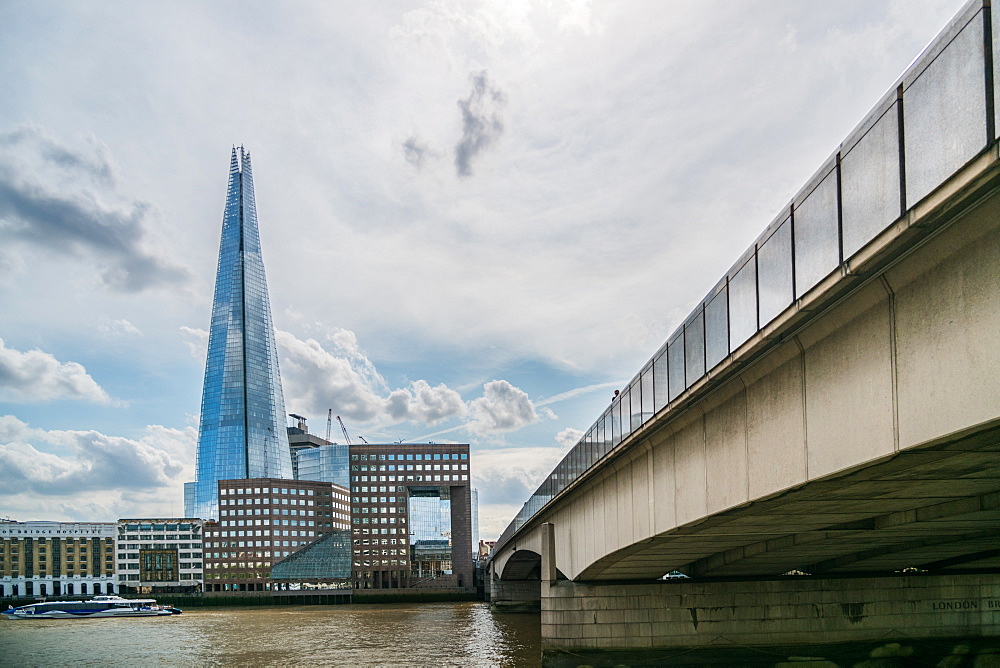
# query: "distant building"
x,y
475,522
315,458
261,522
159,555
411,515
486,549
56,558
242,429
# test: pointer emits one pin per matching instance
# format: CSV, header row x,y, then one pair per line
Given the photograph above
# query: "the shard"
x,y
242,430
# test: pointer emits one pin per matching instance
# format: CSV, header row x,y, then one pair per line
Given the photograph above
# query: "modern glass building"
x,y
325,462
242,431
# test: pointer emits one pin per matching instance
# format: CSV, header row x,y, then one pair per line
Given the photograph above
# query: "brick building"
x,y
262,521
411,517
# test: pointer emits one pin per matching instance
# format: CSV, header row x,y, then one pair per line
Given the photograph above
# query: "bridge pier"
x,y
515,595
604,621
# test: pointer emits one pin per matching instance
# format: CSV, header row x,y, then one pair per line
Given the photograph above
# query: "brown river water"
x,y
425,634
419,634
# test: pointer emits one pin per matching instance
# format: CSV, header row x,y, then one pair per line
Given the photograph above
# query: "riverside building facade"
x,y
159,555
56,558
242,429
411,515
261,522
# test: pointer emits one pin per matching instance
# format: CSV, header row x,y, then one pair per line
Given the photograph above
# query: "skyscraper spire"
x,y
242,431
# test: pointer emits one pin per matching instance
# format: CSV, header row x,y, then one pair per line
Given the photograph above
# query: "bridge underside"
x,y
935,508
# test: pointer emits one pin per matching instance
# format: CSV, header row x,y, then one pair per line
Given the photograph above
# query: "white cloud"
x,y
90,475
315,379
196,341
65,199
119,328
502,408
569,437
425,404
35,375
512,474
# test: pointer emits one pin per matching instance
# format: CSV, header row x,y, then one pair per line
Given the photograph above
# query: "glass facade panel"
x,y
694,348
743,304
774,273
869,183
616,424
625,410
660,395
717,328
646,381
242,430
944,113
635,405
675,365
817,237
326,463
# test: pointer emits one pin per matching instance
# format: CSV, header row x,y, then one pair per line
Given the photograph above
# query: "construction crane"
x,y
329,424
343,429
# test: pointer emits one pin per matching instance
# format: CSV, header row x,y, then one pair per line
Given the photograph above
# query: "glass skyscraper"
x,y
242,431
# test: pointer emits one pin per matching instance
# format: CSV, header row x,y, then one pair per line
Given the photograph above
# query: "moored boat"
x,y
97,607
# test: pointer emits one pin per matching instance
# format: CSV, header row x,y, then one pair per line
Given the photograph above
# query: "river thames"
x,y
426,634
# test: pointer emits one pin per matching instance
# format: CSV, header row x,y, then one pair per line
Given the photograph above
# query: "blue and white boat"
x,y
97,607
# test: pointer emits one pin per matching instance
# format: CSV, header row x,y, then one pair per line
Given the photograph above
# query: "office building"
x,y
411,515
56,558
242,430
159,555
264,520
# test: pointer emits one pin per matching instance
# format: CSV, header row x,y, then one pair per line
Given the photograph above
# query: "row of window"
x,y
381,553
409,458
42,573
134,565
250,543
134,577
383,562
266,500
376,510
409,467
366,531
250,533
225,491
156,527
411,478
266,511
250,523
181,536
122,556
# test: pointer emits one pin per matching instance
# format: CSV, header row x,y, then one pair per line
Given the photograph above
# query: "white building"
x,y
159,555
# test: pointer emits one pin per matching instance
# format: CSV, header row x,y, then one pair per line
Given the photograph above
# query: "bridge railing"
x,y
940,114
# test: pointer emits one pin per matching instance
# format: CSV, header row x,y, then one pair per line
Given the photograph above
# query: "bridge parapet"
x,y
888,186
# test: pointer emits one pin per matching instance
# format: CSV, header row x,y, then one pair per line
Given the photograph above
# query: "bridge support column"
x,y
650,620
516,595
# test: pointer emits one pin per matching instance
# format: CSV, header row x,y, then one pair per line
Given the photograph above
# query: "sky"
x,y
478,217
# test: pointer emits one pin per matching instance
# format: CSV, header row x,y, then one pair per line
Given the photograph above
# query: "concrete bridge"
x,y
816,448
